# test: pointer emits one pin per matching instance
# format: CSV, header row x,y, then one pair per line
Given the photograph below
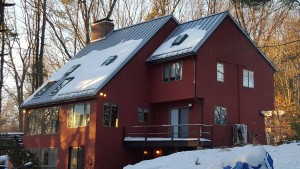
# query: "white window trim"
x,y
248,78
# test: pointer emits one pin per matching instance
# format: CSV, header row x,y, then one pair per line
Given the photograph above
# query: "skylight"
x,y
46,87
179,39
64,83
109,60
72,69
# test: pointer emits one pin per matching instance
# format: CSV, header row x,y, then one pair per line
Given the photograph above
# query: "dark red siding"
x,y
129,89
229,46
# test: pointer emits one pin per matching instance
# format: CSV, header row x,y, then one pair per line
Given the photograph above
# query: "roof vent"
x,y
179,39
101,28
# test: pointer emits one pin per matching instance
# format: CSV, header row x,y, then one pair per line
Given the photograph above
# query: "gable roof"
x,y
91,75
198,32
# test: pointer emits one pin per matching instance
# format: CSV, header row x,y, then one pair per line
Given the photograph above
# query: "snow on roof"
x,y
90,74
195,35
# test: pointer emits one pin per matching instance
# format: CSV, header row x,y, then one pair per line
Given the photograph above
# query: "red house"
x,y
149,90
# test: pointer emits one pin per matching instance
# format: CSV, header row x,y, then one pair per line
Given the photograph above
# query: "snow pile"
x,y
255,157
284,157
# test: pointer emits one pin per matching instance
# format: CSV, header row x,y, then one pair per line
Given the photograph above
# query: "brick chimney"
x,y
101,28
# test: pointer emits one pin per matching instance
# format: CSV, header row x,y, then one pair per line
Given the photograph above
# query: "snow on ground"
x,y
285,156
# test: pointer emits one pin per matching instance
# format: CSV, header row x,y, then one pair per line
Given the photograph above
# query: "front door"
x,y
178,119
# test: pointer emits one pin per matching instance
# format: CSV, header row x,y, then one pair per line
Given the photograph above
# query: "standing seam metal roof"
x,y
142,31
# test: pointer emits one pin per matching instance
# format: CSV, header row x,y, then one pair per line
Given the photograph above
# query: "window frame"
x,y
45,88
72,69
171,73
109,60
223,120
62,85
248,78
220,72
142,115
78,153
179,39
83,117
43,121
110,118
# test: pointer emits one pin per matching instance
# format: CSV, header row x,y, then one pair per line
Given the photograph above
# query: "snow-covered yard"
x,y
285,156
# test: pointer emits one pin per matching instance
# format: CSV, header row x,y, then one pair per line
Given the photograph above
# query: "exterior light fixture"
x,y
101,94
158,152
190,105
145,152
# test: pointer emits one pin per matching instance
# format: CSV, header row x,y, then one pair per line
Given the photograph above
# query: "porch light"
x,y
190,105
158,152
145,152
102,94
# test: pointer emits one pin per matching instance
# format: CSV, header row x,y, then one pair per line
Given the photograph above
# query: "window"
x,y
76,158
78,115
179,39
172,72
65,82
110,115
72,69
248,78
143,115
109,60
220,115
45,88
46,156
220,72
42,121
51,120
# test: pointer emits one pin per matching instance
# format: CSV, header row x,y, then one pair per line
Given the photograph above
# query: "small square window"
x,y
172,72
143,115
248,78
220,115
220,72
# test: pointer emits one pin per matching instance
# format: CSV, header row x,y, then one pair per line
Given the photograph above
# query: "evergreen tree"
x,y
18,155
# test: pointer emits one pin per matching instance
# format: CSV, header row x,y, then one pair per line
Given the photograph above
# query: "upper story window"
x,y
45,88
143,115
172,72
179,39
78,115
220,72
65,82
109,60
110,115
220,115
248,78
43,121
72,69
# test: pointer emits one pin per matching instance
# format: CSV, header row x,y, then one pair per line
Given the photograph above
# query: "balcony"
x,y
181,135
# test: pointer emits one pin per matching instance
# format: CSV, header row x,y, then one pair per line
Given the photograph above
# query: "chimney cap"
x,y
103,20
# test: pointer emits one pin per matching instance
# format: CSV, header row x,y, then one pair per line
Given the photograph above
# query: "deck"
x,y
183,135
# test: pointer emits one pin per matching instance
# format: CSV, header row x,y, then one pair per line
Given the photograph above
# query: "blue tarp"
x,y
266,163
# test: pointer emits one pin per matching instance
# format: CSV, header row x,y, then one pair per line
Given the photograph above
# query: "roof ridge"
x,y
211,15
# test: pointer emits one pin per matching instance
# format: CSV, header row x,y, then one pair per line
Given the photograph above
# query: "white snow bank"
x,y
284,157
